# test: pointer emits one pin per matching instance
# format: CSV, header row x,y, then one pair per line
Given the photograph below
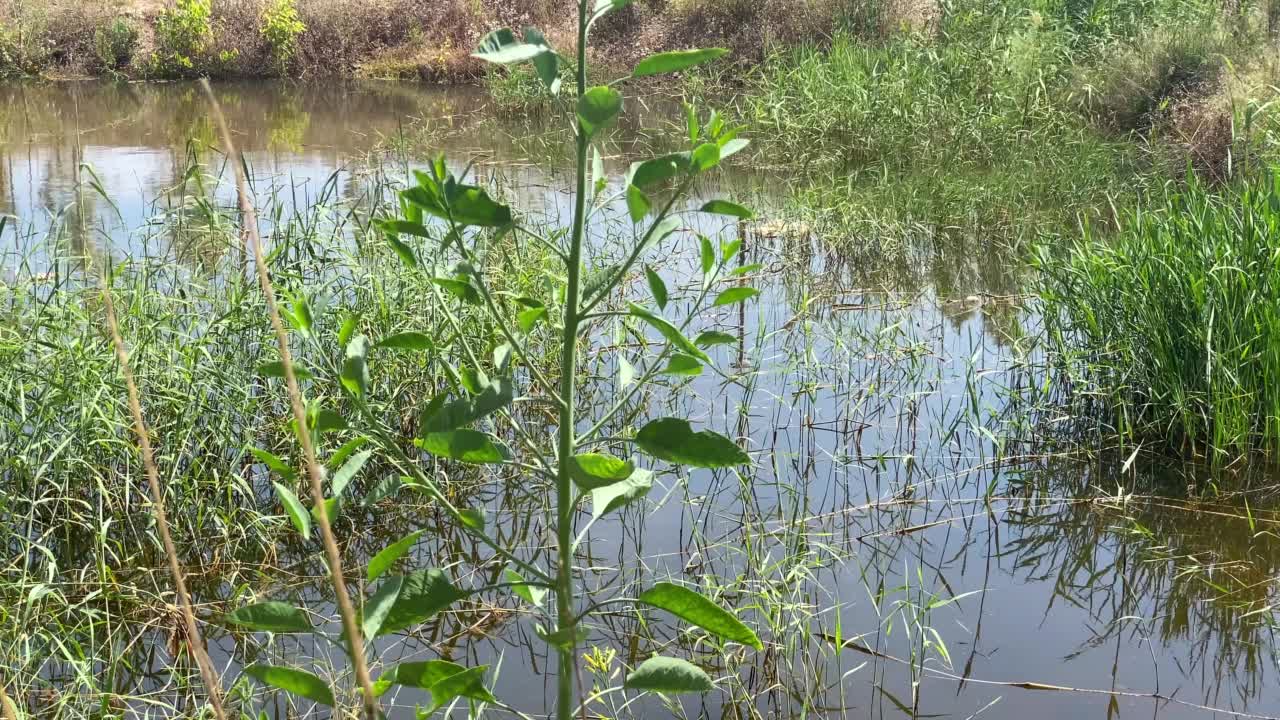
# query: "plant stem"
x,y
249,220
565,503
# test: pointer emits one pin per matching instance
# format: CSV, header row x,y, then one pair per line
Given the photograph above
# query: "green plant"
x,y
501,372
182,35
281,28
1170,328
114,43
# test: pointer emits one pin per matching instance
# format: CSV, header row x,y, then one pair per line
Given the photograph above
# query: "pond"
x,y
913,496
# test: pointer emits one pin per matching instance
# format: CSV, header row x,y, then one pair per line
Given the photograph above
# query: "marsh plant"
x,y
1169,328
513,364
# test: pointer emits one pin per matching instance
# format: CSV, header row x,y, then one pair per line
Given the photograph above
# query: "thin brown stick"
x,y
249,229
210,677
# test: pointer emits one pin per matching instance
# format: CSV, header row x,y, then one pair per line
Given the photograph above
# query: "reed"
x,y
1169,326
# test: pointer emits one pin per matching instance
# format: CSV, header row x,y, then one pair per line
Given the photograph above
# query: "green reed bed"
x,y
1169,327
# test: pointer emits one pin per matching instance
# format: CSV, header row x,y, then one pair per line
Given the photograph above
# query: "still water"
x,y
904,500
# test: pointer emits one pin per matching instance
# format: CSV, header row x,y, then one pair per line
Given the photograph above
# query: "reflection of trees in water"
x,y
1203,582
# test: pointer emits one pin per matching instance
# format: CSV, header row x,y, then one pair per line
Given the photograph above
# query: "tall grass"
x,y
1171,328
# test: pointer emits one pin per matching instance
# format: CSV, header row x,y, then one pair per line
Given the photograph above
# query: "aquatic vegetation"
x,y
1168,326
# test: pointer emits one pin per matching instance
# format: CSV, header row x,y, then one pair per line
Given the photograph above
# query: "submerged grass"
x,y
1169,328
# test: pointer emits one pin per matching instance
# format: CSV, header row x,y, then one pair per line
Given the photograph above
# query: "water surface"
x,y
898,502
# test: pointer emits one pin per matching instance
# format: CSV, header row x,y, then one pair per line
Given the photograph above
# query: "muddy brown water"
x,y
898,501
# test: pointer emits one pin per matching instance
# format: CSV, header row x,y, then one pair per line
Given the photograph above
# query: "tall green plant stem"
x,y
566,622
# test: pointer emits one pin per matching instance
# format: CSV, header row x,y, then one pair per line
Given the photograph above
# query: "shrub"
x,y
281,28
114,43
1135,83
1173,325
182,34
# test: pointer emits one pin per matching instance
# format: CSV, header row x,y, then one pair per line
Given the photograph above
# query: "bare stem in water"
x,y
210,676
314,471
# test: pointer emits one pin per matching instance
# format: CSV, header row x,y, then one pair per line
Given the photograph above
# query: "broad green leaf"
x,y
669,331
405,227
681,364
355,369
675,61
473,380
425,197
407,341
466,446
406,254
459,288
604,7
695,609
724,207
422,674
564,637
348,471
656,287
291,680
656,170
379,604
275,464
530,593
599,280
746,270
501,47
729,250
598,107
493,396
349,324
473,206
332,508
271,616
348,449
611,497
443,679
472,518
384,489
626,373
469,684
598,179
706,156
302,316
388,556
275,369
638,204
420,596
732,147
691,123
594,470
669,676
467,205
528,319
326,420
674,440
294,509
715,123
546,64
735,295
502,356
707,253
710,338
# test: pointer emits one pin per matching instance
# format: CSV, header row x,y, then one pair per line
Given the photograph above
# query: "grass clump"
x,y
1171,328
